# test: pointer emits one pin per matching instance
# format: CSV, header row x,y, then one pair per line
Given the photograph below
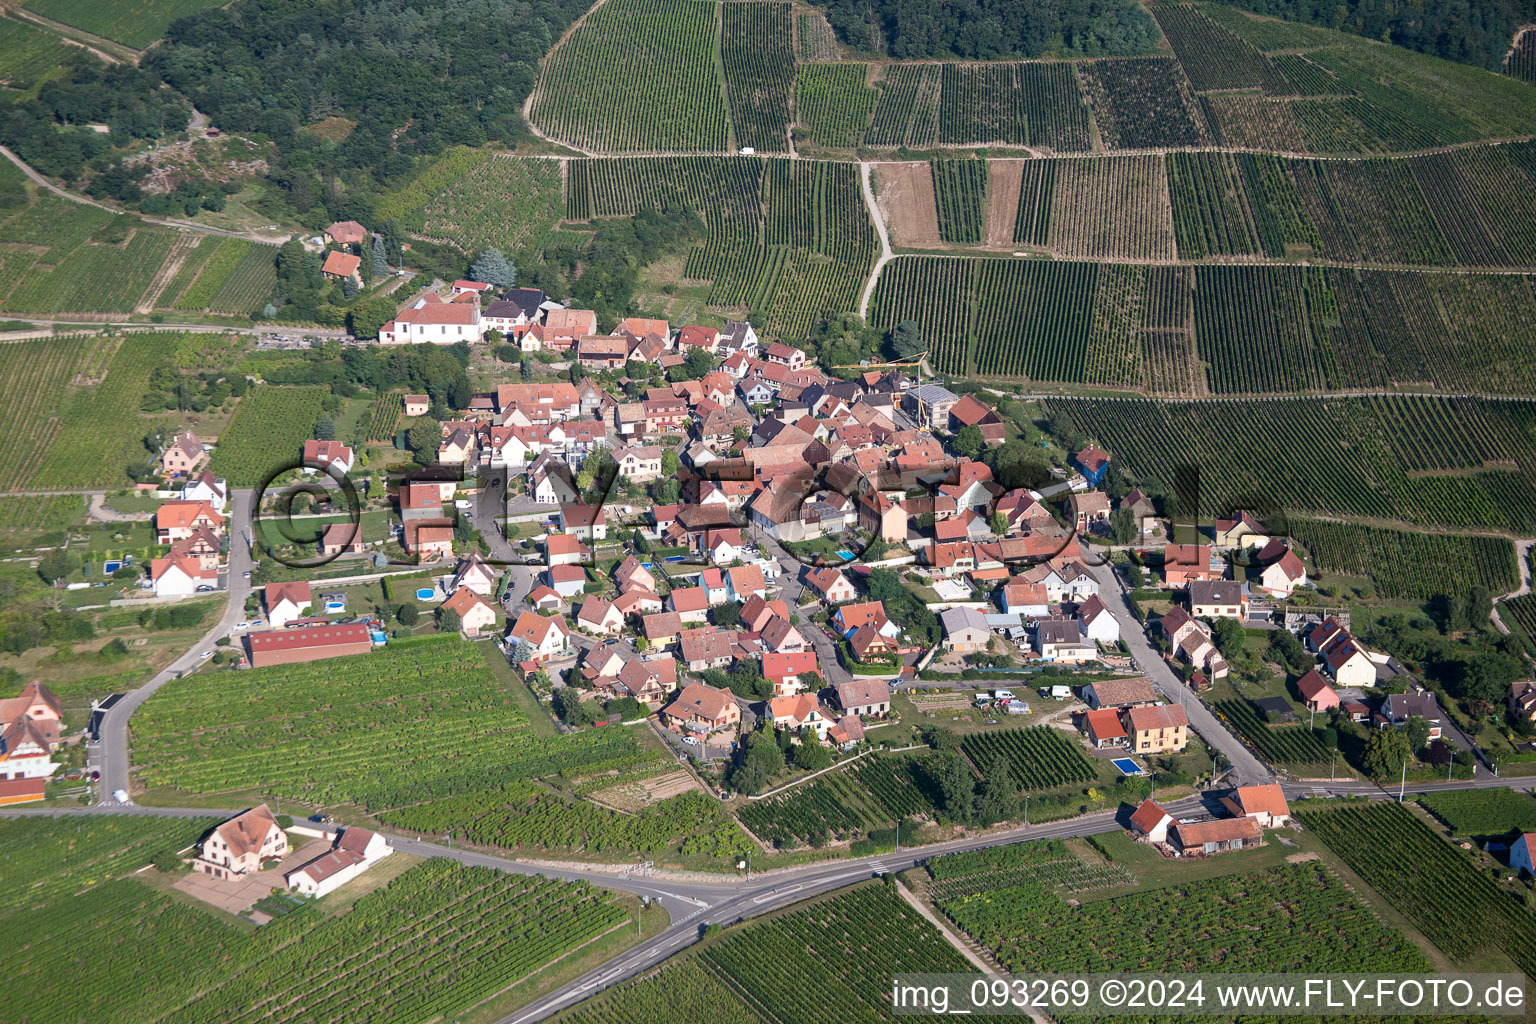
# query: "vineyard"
x,y
1028,104
1414,565
1212,56
1039,757
495,929
637,75
1291,918
1520,611
398,726
525,816
135,23
682,990
960,192
833,103
908,111
1284,746
267,434
1483,812
40,512
1460,463
842,805
818,42
1521,62
384,417
757,48
29,55
474,200
1112,207
1142,104
789,239
1046,862
1436,886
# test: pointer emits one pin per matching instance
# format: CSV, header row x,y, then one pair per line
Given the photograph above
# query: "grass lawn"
x,y
133,503
1154,871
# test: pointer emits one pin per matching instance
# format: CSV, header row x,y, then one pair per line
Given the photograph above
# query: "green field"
x,y
29,55
833,104
400,726
757,52
637,75
1403,564
267,434
847,804
135,23
135,952
1483,812
473,199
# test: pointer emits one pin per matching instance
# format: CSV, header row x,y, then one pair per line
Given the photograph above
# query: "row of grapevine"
x,y
1412,565
757,50
267,434
1143,104
1283,746
960,193
1039,757
908,111
833,103
1212,56
1483,812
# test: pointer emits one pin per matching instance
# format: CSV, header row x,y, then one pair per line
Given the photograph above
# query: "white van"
x,y
1002,695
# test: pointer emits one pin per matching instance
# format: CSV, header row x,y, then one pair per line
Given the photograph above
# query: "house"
x,y
971,412
720,546
1203,838
1027,599
340,265
1061,640
1522,854
649,681
1315,692
1522,700
341,539
1119,693
1417,703
1242,530
475,573
178,520
712,580
1092,510
602,352
780,636
240,845
564,549
744,582
29,733
847,733
307,643
785,355
965,630
787,670
1283,571
1156,729
474,612
707,647
206,487
661,629
587,522
1326,633
1264,804
1093,463
566,580
432,321
690,604
179,576
1184,563
706,338
639,463
286,602
801,714
1143,513
864,697
830,585
544,598
430,539
1104,728
417,405
849,617
1355,711
1346,661
701,709
346,232
1096,622
184,457
354,851
547,636
1217,599
420,500
631,573
1151,821
930,405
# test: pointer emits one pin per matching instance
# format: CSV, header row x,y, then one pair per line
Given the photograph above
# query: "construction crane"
x,y
895,363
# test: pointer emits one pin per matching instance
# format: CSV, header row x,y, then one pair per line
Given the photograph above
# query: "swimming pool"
x,y
1127,766
648,566
845,554
425,594
111,567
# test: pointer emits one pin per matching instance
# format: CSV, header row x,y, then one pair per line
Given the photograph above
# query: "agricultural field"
x,y
1111,207
524,816
1210,215
960,193
354,731
1520,612
1483,812
1432,883
1047,862
104,931
818,42
842,805
1213,57
1039,757
1023,104
384,417
757,50
684,989
30,55
637,75
833,103
267,434
40,513
1458,463
1412,565
1292,918
1143,104
908,111
472,199
1284,746
135,23
1521,62
787,239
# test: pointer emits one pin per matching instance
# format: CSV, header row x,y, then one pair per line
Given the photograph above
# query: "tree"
x,y
367,315
1228,635
349,288
493,267
325,429
1122,525
448,620
997,523
906,339
1289,651
1440,753
697,363
762,760
727,615
1135,575
378,258
968,442
54,565
573,711
1479,607
1386,751
423,439
527,370
1416,732
813,755
957,790
669,462
1001,796
885,585
408,614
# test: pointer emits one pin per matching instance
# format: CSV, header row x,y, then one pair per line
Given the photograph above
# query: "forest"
x,y
993,29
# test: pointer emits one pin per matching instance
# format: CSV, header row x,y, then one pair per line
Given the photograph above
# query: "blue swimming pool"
x,y
1128,766
675,558
648,566
109,568
425,594
844,554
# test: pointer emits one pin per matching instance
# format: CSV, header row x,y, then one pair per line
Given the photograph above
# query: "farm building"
x,y
307,643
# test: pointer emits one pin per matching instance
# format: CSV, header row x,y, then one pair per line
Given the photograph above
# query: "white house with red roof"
x,y
1283,571
286,602
546,635
208,488
355,851
327,455
431,321
1151,821
474,612
1522,854
178,520
175,576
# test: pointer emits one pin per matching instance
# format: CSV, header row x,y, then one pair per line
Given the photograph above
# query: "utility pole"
x,y
1026,810
1402,785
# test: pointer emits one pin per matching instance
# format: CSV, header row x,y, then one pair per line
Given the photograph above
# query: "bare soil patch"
x,y
905,199
634,796
1005,179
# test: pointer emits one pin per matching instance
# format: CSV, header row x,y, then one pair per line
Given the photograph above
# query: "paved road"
x,y
111,755
790,588
1246,767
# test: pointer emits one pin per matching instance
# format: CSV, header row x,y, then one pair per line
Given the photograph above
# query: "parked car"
x,y
246,575
204,587
205,655
322,819
241,625
692,741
